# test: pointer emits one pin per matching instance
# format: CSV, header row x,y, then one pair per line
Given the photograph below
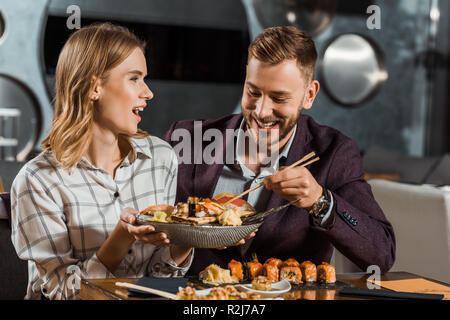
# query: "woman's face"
x,y
123,94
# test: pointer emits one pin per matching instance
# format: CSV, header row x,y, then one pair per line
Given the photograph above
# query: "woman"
x,y
74,205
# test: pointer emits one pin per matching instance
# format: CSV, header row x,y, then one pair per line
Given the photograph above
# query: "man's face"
x,y
273,98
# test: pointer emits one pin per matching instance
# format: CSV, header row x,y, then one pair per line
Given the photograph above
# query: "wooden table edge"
x,y
104,289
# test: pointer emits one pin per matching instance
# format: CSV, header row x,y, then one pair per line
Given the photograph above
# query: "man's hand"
x,y
295,183
242,241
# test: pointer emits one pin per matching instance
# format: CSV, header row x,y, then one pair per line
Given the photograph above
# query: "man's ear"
x,y
310,94
96,90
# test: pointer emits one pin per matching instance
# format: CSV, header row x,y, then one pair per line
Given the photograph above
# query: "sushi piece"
x,y
187,293
262,283
292,274
254,269
291,263
271,271
309,271
326,273
236,269
275,261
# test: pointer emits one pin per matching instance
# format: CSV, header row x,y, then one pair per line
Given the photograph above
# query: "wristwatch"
x,y
321,206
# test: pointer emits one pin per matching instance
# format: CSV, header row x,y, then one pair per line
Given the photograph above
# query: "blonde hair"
x,y
276,44
89,52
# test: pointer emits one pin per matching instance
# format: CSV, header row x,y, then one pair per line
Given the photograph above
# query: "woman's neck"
x,y
106,150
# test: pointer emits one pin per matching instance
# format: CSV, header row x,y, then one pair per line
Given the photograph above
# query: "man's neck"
x,y
255,163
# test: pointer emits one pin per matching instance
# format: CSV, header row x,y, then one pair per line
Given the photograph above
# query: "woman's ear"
x,y
310,94
96,89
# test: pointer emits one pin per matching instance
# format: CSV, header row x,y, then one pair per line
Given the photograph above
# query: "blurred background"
x,y
383,67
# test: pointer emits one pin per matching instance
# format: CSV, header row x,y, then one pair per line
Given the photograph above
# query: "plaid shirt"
x,y
60,219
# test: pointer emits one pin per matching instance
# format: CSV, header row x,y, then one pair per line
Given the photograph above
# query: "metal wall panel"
x,y
21,67
395,117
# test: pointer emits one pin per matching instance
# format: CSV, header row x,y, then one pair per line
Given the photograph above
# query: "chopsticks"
x,y
305,158
163,294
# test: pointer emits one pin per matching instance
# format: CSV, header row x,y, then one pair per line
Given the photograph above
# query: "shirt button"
x,y
116,194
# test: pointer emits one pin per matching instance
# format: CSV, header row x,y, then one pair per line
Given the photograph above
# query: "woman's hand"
x,y
116,246
145,234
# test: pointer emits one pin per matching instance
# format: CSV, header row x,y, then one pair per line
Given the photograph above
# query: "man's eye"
x,y
253,93
278,100
134,79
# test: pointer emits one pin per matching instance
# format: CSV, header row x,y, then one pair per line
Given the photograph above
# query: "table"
x,y
105,289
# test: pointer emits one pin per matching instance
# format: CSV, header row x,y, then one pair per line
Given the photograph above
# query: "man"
x,y
335,207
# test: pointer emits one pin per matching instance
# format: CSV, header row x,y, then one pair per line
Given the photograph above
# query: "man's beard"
x,y
285,127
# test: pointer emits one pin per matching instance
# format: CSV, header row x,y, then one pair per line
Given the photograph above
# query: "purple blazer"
x,y
360,230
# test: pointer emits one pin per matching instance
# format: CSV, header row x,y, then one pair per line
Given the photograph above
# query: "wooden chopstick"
x,y
163,294
308,156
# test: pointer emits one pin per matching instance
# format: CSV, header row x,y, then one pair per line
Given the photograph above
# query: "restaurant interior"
x,y
383,69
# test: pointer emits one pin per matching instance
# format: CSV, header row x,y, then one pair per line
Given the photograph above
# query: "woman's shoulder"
x,y
42,166
153,147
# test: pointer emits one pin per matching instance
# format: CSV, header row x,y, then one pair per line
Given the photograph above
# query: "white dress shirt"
x,y
60,219
236,178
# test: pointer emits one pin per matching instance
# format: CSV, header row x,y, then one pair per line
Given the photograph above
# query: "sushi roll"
x,y
291,263
262,283
271,271
275,261
254,269
309,271
236,269
326,273
291,274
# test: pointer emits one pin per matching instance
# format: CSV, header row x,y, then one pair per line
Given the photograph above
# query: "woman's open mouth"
x,y
136,111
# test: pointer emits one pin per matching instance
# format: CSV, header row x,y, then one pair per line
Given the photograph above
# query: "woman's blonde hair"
x,y
89,53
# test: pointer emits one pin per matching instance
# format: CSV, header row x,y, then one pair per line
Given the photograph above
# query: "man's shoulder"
x,y
323,134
